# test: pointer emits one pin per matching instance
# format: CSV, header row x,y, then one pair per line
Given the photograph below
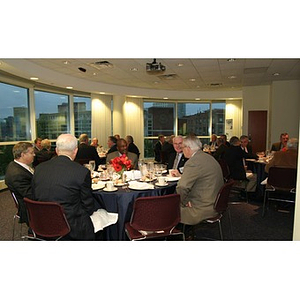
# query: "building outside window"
x,y
82,115
52,114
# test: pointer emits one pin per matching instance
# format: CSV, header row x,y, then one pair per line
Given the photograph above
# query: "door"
x,y
257,129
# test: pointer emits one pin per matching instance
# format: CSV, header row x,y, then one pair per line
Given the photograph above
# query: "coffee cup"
x,y
171,171
109,185
161,180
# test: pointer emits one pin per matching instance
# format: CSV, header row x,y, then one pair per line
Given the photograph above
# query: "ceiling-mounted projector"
x,y
154,67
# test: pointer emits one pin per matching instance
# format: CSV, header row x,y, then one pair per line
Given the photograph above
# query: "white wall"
x,y
285,109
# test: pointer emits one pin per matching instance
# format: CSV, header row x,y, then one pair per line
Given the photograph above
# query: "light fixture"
x,y
102,93
165,98
231,59
232,77
69,87
192,79
179,65
134,69
197,98
94,74
66,62
34,78
276,74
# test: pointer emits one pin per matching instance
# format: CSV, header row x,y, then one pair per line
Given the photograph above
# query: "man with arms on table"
x,y
63,181
199,184
122,149
284,137
19,174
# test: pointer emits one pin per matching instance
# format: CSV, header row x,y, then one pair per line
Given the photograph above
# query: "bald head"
x,y
66,144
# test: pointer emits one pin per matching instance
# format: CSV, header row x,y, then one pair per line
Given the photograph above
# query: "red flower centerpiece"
x,y
121,164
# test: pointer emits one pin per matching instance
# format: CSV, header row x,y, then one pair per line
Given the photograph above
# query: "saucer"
x,y
158,184
113,190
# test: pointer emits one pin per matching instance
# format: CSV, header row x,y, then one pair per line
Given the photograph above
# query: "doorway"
x,y
257,129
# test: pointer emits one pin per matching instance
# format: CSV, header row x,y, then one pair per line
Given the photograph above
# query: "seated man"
x,y
287,159
167,149
235,158
44,154
213,141
132,146
19,174
158,148
221,148
177,159
122,149
87,152
199,184
284,137
63,181
112,144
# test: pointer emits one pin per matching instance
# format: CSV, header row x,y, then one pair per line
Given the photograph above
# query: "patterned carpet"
x,y
247,222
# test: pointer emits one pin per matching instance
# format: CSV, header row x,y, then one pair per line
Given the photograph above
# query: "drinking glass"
x,y
92,164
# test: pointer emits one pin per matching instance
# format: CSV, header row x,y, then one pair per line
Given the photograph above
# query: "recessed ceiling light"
x,y
134,69
34,78
66,62
102,93
94,74
165,98
197,98
192,79
69,87
232,77
276,74
155,82
231,59
179,65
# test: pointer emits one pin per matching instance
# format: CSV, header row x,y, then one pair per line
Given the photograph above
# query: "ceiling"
x,y
180,74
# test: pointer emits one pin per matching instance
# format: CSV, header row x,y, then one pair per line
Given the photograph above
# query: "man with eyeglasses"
x,y
177,159
19,174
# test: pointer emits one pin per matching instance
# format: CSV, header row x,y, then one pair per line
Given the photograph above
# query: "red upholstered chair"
x,y
16,216
47,220
281,186
154,218
220,206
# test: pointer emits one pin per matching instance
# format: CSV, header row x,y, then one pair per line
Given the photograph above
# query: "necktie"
x,y
176,161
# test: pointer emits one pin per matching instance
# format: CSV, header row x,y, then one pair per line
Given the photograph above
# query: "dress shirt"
x,y
177,160
25,166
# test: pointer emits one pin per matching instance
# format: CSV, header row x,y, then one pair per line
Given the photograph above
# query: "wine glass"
x,y
92,164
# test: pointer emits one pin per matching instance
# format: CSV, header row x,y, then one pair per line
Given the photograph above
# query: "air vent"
x,y
102,64
168,77
215,84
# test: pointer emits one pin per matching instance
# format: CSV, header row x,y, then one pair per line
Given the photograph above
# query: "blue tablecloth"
x,y
121,202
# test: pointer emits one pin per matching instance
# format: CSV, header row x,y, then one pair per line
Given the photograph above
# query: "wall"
x,y
285,109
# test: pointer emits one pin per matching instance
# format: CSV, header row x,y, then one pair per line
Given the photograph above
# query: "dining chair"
x,y
220,206
281,186
225,169
46,220
16,216
155,217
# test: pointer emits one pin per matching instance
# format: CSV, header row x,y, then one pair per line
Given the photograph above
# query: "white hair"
x,y
66,143
192,142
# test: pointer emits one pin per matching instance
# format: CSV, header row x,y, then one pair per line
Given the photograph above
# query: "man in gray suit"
x,y
122,149
199,184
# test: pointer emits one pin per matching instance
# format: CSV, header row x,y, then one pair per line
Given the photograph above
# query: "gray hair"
x,y
192,142
83,138
21,147
46,144
292,143
66,143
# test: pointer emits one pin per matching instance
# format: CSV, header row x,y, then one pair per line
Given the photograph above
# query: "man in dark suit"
x,y
247,147
112,144
44,154
177,159
19,175
131,146
284,137
63,181
158,148
86,151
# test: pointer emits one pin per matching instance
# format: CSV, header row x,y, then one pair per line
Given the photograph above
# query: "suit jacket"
x,y
18,180
132,156
181,163
42,156
68,183
134,149
88,152
286,159
200,183
112,149
277,146
157,151
234,156
219,154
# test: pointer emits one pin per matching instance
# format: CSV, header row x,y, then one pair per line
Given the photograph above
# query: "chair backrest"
x,y
15,199
225,169
47,219
156,213
284,178
222,199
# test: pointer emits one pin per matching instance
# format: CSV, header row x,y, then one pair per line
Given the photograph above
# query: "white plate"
x,y
97,186
158,184
113,190
140,187
171,178
164,171
147,179
120,184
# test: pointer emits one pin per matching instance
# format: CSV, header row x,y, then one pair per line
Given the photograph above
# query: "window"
x,y
82,115
14,113
218,117
52,114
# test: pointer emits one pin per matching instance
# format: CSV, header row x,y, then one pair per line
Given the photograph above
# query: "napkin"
x,y
140,185
98,186
132,175
101,218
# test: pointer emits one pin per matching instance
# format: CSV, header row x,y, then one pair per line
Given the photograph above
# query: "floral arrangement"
x,y
121,163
